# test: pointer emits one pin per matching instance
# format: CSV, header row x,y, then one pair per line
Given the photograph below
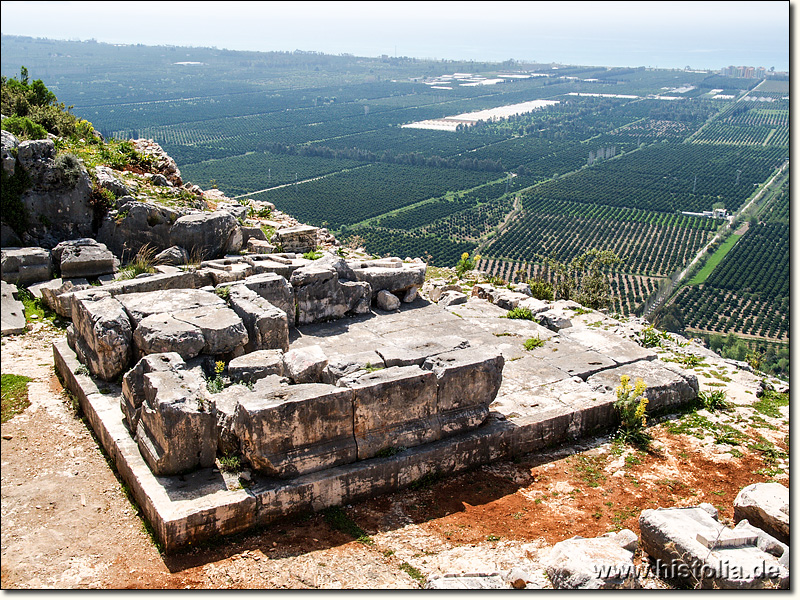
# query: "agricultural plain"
x,y
604,158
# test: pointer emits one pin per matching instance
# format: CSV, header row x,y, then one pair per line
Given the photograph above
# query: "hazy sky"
x,y
663,34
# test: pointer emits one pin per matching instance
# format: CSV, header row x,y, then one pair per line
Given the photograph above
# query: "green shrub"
x,y
541,290
68,168
23,127
141,263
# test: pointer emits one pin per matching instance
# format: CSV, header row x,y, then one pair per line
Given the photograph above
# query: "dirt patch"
x,y
67,522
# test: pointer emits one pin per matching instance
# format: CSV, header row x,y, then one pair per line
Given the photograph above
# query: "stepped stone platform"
x,y
558,392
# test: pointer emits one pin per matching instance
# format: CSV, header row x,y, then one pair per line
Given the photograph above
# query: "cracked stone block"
x,y
452,298
357,296
412,351
318,295
299,239
397,280
296,429
103,336
143,304
164,333
766,506
133,383
678,539
267,326
394,407
467,383
305,365
223,330
666,386
256,365
276,290
177,429
599,563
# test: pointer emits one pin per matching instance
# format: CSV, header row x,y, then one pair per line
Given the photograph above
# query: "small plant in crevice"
x,y
223,292
631,404
230,464
141,263
217,384
520,312
533,343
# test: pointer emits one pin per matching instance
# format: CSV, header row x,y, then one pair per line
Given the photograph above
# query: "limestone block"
x,y
666,385
206,234
679,538
338,264
467,383
223,330
357,296
766,506
534,305
13,311
300,239
318,295
342,366
259,246
177,429
394,407
174,255
395,280
276,290
406,352
579,563
164,333
105,335
466,581
296,429
305,365
267,326
133,383
411,295
24,266
140,305
554,320
452,298
84,258
387,301
256,365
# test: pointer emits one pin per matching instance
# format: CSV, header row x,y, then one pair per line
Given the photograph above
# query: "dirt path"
x,y
66,522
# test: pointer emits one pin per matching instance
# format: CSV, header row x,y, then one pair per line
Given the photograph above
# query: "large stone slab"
x,y
406,351
177,429
209,235
621,350
13,311
140,305
395,280
394,407
256,365
766,506
692,546
300,239
318,295
297,429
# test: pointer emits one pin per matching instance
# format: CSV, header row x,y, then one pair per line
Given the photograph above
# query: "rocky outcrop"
x,y
209,235
163,163
58,199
